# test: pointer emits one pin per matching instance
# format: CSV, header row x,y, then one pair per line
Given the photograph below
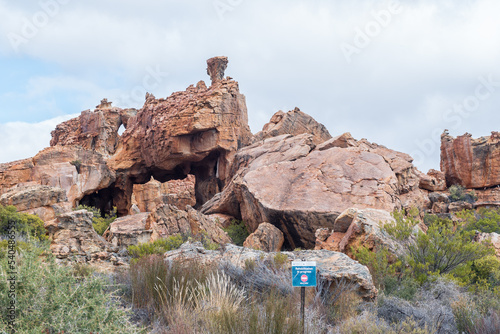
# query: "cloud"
x,y
396,91
20,140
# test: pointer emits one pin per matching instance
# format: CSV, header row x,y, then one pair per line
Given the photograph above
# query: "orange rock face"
x,y
472,163
154,193
294,122
93,130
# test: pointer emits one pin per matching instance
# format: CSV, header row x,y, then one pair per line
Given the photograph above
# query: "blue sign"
x,y
303,273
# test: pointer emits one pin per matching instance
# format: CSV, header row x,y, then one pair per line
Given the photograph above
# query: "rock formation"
x,y
179,193
294,122
298,187
267,238
216,67
472,163
93,130
332,266
72,235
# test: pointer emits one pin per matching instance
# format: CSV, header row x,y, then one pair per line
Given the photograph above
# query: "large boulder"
x,y
434,180
332,267
494,238
44,201
267,238
286,182
294,122
472,163
169,220
179,193
130,230
72,235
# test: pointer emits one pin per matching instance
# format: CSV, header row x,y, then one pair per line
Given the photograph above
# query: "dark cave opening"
x,y
101,199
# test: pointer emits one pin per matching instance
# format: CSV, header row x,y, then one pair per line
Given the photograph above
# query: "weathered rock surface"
x,y
93,130
294,122
130,230
169,220
472,163
267,238
56,167
332,266
284,181
433,181
72,234
194,132
459,206
44,201
216,67
365,230
179,193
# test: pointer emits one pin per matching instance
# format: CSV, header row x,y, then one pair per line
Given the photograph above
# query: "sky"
x,y
395,72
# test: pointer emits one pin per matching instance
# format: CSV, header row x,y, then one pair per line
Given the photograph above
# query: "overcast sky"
x,y
396,73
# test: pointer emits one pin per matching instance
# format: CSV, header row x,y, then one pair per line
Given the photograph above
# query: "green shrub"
x,y
484,220
459,193
238,232
25,225
49,299
159,246
99,223
441,250
280,260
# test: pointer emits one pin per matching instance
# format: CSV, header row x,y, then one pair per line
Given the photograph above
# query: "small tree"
x,y
441,250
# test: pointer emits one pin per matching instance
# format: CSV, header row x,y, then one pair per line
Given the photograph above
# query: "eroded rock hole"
x,y
101,199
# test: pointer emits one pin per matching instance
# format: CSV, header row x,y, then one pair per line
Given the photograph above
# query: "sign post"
x,y
303,275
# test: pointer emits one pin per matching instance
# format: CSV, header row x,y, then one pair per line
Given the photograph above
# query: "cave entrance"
x,y
101,199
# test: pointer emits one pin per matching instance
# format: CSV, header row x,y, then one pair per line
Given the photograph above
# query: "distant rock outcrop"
x,y
472,163
267,238
294,122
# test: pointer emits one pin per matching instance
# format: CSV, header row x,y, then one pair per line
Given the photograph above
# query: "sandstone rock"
x,y
365,231
433,181
282,181
34,196
130,230
216,67
55,167
439,207
72,234
487,197
179,193
328,240
344,140
169,220
194,132
222,220
344,220
93,130
459,206
267,238
332,266
44,201
472,163
294,122
439,197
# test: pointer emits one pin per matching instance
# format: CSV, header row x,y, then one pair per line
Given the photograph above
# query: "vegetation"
x,y
99,222
26,226
484,220
77,164
459,193
51,299
157,247
238,232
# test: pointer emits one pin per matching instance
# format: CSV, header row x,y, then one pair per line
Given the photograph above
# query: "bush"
x,y
238,232
484,220
158,247
458,193
49,299
441,250
99,222
25,225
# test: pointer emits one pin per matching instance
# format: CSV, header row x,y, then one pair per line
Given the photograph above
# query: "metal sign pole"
x,y
302,307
